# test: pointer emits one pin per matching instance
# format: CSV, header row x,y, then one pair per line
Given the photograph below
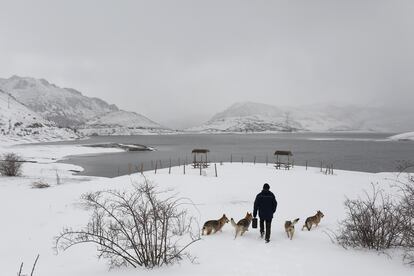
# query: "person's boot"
x,y
267,241
261,235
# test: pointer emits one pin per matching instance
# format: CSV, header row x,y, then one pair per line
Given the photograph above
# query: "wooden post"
x,y
306,164
215,168
169,170
184,168
321,166
242,159
254,160
156,165
267,160
231,158
129,168
142,168
200,169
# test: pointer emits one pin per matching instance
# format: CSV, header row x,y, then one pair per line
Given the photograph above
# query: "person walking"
x,y
266,204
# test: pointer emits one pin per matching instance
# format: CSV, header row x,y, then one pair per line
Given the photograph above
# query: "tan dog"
x,y
290,227
314,220
215,225
243,224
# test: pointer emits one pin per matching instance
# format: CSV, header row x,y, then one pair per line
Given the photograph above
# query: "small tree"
x,y
10,165
134,228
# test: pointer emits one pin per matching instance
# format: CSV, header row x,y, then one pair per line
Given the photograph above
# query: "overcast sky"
x,y
179,62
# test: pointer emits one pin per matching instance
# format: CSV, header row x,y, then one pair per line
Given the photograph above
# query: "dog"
x,y
243,225
313,220
290,227
215,225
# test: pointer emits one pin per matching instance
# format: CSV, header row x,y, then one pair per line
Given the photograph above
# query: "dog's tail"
x,y
233,222
295,221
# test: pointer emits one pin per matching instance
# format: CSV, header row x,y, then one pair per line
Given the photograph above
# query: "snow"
x,y
408,136
32,217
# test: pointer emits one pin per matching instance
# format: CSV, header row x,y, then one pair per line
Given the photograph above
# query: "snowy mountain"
x,y
67,107
64,106
18,123
120,123
257,117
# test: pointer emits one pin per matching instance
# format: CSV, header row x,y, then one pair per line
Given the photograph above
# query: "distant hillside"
x,y
67,107
64,106
120,123
19,123
257,117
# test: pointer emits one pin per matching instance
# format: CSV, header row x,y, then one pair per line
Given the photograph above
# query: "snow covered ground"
x,y
408,136
32,217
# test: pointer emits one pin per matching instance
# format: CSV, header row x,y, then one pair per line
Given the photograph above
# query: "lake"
x,y
368,152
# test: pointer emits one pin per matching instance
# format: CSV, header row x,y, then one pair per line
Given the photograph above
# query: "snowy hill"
x,y
256,117
120,123
408,136
20,124
64,106
69,108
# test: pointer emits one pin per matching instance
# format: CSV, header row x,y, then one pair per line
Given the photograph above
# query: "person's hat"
x,y
266,187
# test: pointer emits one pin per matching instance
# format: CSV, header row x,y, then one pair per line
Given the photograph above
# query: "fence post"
x,y
242,159
231,158
267,160
254,161
200,169
321,166
169,170
306,164
215,168
129,168
156,165
142,168
184,167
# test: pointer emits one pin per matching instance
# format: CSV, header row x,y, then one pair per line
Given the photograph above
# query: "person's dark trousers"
x,y
268,223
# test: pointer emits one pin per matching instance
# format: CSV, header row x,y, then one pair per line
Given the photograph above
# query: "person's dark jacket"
x,y
266,204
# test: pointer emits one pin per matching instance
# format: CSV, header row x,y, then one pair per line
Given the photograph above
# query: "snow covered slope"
x,y
20,124
65,106
120,123
408,136
256,117
68,107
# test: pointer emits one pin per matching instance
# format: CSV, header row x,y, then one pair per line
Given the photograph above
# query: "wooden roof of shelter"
x,y
200,151
283,152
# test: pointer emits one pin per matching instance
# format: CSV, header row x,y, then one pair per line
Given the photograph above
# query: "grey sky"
x,y
179,62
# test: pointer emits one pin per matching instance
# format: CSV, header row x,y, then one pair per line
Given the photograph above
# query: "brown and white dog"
x,y
313,220
214,225
243,224
290,227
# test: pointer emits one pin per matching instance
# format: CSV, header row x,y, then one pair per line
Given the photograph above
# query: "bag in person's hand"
x,y
254,223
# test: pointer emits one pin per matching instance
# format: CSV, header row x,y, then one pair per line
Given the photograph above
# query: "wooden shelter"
x,y
200,158
283,159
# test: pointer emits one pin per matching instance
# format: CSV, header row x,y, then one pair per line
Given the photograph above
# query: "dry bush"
x,y
406,183
373,222
10,165
135,228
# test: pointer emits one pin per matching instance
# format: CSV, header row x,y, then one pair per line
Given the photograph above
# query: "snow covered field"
x,y
32,217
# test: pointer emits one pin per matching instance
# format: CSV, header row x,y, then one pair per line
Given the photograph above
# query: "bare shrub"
x,y
10,165
135,228
374,222
406,183
19,273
